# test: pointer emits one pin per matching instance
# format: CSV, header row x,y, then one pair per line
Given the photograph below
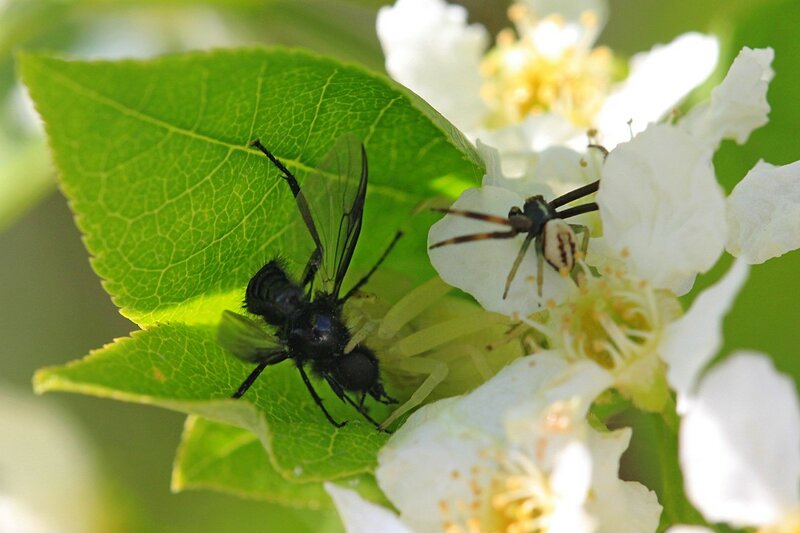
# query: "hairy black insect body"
x,y
272,295
307,326
312,330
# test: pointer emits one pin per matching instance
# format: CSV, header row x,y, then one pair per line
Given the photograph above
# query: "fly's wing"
x,y
335,195
246,338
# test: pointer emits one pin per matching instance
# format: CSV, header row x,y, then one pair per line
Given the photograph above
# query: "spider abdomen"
x,y
559,245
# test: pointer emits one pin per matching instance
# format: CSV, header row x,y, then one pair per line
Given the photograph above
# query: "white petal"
x,y
661,205
430,463
658,81
635,509
580,20
514,153
764,213
738,105
16,517
618,505
481,267
492,162
740,443
572,473
522,382
689,529
543,131
571,481
550,172
554,415
361,516
691,341
430,49
430,459
47,471
441,452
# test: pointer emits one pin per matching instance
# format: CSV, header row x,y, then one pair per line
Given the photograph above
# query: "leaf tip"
x,y
43,381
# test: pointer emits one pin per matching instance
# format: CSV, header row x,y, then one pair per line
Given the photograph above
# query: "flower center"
x,y
789,524
522,496
514,498
546,67
614,320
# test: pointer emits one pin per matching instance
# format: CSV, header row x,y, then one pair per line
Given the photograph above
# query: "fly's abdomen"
x,y
272,295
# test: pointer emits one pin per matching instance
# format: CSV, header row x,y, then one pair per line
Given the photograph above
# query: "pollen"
x,y
538,69
613,320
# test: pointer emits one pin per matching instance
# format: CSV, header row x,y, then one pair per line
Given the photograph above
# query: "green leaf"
x,y
178,213
652,459
177,210
225,458
181,367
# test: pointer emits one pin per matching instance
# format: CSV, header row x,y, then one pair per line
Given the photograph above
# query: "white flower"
x,y
515,453
361,516
547,82
660,203
662,207
740,445
422,36
638,334
691,341
764,212
738,105
663,213
482,267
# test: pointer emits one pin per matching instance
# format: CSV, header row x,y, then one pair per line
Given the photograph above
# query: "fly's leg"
x,y
364,280
358,406
247,383
316,397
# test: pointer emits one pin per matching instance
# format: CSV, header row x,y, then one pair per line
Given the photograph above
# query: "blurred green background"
x,y
54,309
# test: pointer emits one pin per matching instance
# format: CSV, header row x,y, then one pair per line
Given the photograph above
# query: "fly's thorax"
x,y
318,334
273,296
559,245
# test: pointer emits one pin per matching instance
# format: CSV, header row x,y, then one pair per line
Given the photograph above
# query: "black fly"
x,y
541,223
307,324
